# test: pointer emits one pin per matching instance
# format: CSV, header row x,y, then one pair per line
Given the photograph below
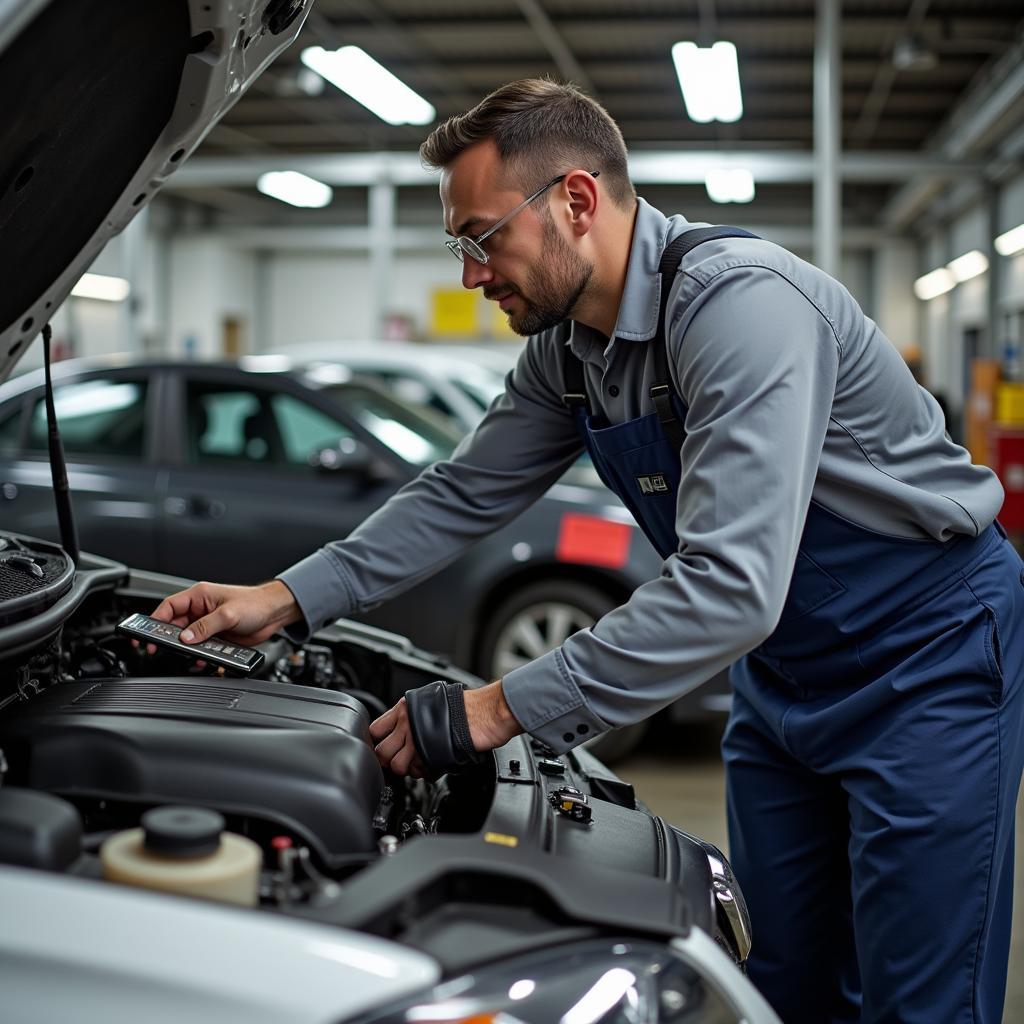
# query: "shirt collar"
x,y
638,311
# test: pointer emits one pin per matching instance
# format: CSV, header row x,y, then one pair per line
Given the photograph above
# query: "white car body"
x,y
457,381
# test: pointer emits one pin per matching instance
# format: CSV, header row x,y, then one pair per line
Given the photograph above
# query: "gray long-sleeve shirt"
x,y
793,395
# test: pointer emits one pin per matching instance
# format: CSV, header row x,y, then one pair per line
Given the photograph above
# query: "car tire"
x,y
532,621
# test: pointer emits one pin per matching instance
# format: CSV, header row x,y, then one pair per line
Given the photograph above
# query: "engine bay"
x,y
90,718
521,850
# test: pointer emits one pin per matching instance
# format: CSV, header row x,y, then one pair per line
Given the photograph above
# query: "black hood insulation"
x,y
87,89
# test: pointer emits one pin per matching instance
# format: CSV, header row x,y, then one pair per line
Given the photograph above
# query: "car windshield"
x,y
409,433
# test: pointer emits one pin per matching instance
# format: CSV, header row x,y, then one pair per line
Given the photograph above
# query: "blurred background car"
x,y
457,381
234,471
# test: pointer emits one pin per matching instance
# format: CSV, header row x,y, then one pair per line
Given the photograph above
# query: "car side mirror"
x,y
354,458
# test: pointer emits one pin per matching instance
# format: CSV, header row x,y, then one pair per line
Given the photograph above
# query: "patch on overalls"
x,y
652,483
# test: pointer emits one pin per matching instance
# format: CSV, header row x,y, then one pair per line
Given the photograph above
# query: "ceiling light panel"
x,y
295,188
709,78
355,72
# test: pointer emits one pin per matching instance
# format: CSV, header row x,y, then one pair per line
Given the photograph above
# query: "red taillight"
x,y
590,540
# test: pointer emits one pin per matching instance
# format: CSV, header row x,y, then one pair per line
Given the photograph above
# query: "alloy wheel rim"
x,y
534,631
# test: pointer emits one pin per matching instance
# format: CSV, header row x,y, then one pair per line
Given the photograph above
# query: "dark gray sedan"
x,y
232,472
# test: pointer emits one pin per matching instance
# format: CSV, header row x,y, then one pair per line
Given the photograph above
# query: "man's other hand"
x,y
491,725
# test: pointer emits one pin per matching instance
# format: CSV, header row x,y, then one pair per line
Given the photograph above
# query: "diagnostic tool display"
x,y
216,651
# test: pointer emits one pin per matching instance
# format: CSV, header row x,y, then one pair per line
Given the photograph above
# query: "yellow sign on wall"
x,y
453,313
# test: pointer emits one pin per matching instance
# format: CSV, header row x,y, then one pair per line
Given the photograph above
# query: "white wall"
x,y
324,296
895,309
208,282
855,274
315,297
90,327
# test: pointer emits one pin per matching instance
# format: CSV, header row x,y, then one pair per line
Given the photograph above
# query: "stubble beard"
x,y
554,290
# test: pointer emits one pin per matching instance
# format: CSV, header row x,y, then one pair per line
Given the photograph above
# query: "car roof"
x,y
304,369
422,354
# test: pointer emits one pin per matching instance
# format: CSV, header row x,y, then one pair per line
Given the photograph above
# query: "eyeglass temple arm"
x,y
526,202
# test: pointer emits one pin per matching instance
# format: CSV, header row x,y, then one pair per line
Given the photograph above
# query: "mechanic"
x,y
820,532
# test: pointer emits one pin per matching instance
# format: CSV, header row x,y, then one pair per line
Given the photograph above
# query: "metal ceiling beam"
x,y
646,167
569,67
360,239
966,194
885,77
989,100
259,111
507,37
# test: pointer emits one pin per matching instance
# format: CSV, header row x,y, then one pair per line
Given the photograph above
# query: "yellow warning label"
x,y
500,839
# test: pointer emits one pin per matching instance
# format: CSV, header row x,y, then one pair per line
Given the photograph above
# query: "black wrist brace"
x,y
440,728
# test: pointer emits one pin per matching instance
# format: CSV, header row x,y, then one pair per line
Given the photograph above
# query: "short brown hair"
x,y
540,128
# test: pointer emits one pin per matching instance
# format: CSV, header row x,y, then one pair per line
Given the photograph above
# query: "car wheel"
x,y
538,618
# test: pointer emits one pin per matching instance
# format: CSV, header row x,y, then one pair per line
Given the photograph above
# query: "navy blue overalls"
x,y
874,749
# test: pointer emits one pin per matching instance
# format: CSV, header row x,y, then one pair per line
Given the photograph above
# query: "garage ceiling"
x,y
455,51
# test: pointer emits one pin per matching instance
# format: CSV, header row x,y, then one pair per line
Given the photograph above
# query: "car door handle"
x,y
196,507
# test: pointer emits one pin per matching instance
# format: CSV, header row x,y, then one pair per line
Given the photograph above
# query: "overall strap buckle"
x,y
661,396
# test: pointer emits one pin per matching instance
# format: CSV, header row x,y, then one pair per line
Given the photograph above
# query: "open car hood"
x,y
104,100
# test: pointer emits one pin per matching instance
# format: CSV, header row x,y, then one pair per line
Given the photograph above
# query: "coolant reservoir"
x,y
185,850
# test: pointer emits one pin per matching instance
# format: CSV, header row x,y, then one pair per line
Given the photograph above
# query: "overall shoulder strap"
x,y
662,389
575,396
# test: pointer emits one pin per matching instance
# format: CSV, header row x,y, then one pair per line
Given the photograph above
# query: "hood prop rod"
x,y
58,467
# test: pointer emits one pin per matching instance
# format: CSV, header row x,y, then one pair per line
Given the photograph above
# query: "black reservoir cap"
x,y
182,831
38,830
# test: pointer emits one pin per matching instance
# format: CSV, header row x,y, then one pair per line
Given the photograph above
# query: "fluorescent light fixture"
x,y
938,282
709,77
295,188
971,264
354,71
1012,242
100,286
730,185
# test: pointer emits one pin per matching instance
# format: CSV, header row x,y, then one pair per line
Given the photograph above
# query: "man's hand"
x,y
395,749
243,615
491,724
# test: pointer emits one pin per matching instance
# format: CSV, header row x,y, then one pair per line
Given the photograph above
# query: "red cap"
x,y
281,842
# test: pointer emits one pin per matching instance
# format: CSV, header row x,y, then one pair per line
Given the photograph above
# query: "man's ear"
x,y
584,199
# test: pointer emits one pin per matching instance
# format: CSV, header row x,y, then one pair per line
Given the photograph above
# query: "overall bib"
x,y
874,749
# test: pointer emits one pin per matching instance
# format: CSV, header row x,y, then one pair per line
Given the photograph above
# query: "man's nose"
x,y
475,274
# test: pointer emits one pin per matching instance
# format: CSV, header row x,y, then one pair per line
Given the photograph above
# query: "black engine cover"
x,y
295,757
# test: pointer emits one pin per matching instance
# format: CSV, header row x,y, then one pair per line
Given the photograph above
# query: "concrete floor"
x,y
679,776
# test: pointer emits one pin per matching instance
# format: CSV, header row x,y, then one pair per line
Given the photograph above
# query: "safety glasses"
x,y
465,246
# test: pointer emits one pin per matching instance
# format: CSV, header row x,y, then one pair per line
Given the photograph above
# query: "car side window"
x,y
10,431
227,424
101,416
414,392
255,426
305,430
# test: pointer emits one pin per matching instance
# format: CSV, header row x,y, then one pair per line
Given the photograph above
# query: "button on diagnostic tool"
x,y
236,659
